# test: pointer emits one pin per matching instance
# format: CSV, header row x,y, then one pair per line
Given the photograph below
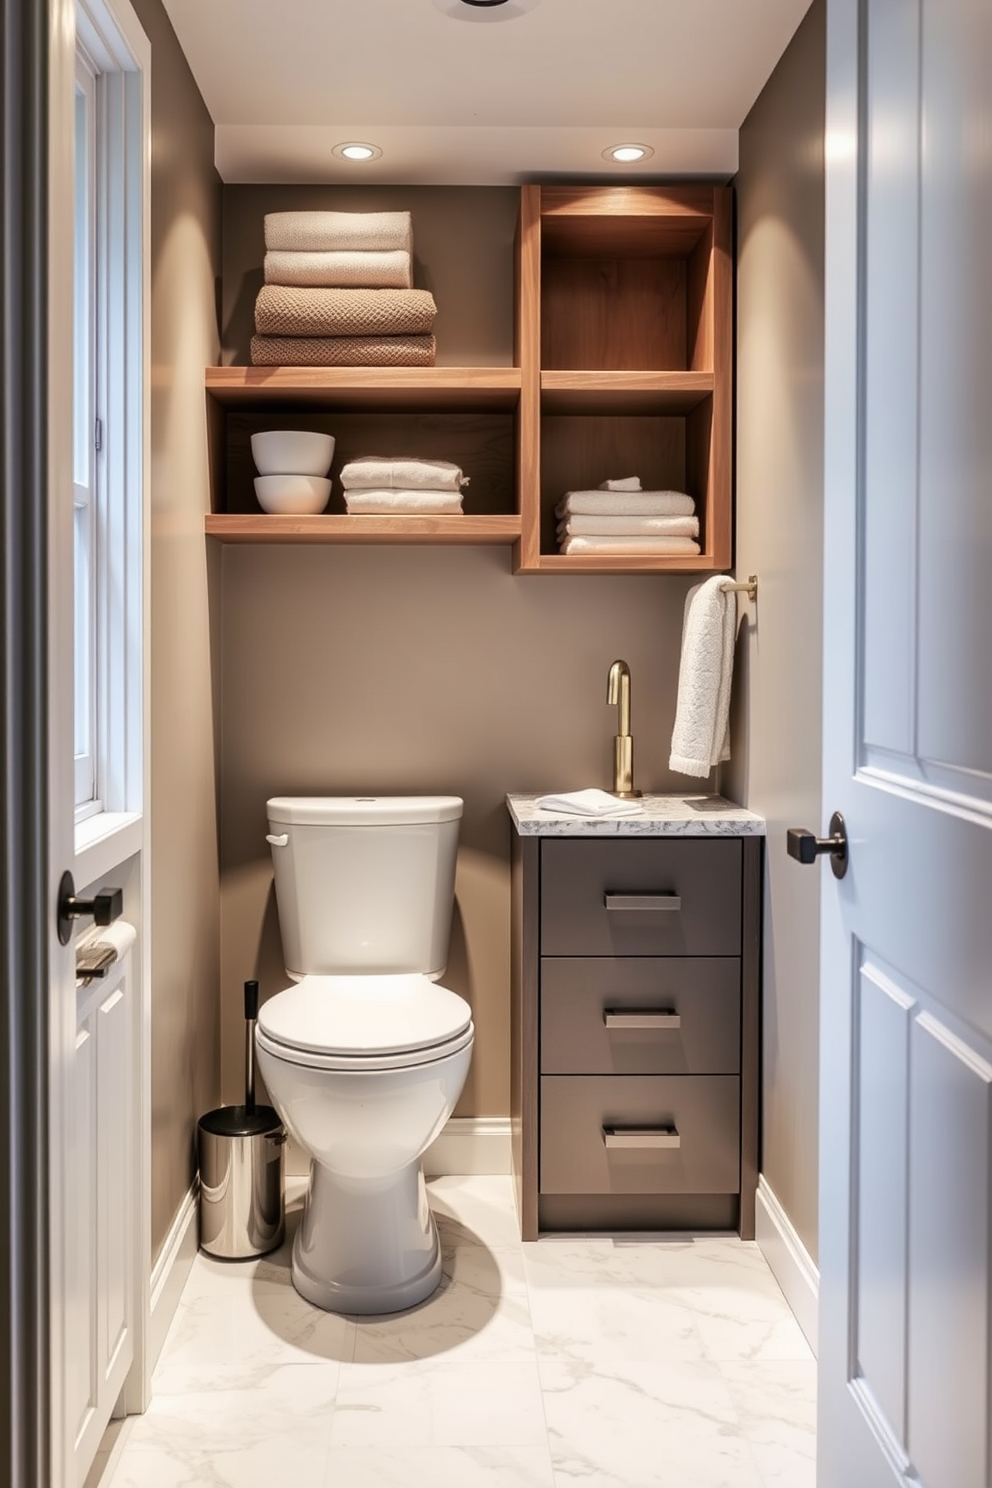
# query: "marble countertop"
x,y
663,816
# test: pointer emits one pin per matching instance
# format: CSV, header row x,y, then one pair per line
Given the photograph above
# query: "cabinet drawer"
x,y
641,898
640,1015
667,1134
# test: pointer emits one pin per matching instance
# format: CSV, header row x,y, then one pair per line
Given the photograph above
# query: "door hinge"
x,y
98,435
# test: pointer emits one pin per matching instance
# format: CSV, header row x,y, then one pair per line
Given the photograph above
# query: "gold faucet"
x,y
618,693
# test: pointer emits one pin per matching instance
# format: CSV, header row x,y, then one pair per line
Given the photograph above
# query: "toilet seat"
x,y
364,1022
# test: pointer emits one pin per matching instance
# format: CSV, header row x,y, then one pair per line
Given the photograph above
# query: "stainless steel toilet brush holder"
x,y
240,1148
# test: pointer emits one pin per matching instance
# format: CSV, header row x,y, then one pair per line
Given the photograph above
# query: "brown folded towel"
x,y
281,310
343,351
319,232
340,270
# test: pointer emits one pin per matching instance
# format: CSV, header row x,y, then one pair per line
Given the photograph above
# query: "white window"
x,y
108,399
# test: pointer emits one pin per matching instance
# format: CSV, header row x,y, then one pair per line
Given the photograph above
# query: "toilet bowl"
x,y
366,1055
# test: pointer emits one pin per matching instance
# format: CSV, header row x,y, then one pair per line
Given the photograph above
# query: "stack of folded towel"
x,y
402,485
618,517
337,293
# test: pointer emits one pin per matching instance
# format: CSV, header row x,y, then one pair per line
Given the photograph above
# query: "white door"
x,y
906,1027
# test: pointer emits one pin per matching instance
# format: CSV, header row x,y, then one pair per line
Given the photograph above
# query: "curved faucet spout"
x,y
618,693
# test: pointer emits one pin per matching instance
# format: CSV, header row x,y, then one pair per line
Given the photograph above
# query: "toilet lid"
x,y
364,1015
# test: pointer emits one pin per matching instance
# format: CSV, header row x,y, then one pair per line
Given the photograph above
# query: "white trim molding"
x,y
470,1145
170,1274
790,1262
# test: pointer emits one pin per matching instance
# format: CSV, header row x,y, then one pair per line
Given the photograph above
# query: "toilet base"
x,y
366,1248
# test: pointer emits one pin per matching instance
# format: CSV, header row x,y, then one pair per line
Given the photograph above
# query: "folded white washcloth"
x,y
401,472
629,527
402,503
655,546
625,504
343,269
589,803
701,736
628,483
329,232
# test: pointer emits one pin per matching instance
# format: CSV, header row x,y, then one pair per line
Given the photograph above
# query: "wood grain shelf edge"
x,y
250,527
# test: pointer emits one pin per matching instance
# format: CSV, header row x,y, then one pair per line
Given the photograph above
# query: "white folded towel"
x,y
401,472
403,503
625,504
701,737
629,527
328,232
589,803
351,269
656,546
628,483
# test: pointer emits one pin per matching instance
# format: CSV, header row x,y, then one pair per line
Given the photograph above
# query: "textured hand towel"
x,y
328,232
656,547
340,270
701,737
629,527
398,472
343,351
589,803
628,483
283,310
403,503
625,504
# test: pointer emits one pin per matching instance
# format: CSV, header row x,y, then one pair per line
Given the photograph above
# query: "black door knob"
x,y
806,847
105,907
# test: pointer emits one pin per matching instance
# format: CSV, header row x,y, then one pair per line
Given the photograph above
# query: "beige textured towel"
x,y
343,351
403,503
281,310
401,472
340,270
625,504
328,232
629,527
655,547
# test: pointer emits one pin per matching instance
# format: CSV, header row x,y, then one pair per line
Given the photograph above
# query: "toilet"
x,y
365,1055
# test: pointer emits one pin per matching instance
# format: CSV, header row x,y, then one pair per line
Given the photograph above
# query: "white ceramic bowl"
x,y
292,495
292,452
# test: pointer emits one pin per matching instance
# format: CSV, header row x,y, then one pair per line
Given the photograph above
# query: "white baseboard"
x,y
170,1273
470,1145
790,1262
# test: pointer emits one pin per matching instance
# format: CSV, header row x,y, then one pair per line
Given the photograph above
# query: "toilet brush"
x,y
251,1016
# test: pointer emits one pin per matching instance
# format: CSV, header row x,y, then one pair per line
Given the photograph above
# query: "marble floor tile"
x,y
480,1311
440,1467
739,1310
291,1403
495,1404
661,1423
255,1329
478,1210
776,1406
273,1463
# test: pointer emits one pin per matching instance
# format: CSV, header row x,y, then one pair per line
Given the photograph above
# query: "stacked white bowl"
x,y
292,470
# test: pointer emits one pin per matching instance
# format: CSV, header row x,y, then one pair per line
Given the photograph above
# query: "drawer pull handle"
x,y
641,1136
640,1018
642,901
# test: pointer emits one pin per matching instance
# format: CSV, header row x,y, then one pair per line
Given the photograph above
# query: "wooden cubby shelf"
x,y
623,345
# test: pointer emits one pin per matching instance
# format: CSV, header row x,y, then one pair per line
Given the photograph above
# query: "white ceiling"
x,y
457,95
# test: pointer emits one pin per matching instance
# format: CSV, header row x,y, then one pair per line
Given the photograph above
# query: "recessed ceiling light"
x,y
627,154
354,150
485,10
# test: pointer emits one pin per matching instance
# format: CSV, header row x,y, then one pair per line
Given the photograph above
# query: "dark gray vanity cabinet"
x,y
634,1085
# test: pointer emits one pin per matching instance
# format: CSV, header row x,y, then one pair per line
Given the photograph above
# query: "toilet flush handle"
x,y
282,840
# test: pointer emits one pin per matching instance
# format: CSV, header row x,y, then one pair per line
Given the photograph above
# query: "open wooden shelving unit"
x,y
623,350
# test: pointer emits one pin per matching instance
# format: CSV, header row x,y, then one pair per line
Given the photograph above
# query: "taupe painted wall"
x,y
776,763
411,669
186,232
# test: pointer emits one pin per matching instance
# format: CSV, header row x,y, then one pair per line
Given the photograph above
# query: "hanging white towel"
x,y
701,736
590,803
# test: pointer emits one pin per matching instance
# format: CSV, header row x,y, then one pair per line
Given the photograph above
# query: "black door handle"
x,y
105,907
806,847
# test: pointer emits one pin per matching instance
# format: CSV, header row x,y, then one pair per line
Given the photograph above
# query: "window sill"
x,y
105,841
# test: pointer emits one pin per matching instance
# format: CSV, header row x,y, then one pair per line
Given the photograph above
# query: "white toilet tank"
x,y
364,884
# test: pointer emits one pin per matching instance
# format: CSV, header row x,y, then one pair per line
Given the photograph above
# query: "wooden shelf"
x,y
264,528
616,563
411,389
624,392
